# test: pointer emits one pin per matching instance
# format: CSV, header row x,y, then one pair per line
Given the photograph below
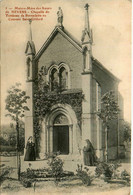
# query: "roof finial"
x,y
87,26
87,32
30,32
30,48
60,17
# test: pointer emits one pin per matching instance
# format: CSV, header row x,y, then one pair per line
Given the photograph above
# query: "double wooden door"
x,y
61,139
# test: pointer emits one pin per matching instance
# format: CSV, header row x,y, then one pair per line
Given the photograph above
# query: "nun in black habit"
x,y
30,150
89,154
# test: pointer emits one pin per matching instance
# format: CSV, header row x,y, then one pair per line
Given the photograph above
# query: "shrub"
x,y
125,176
12,140
3,141
127,131
7,148
27,178
84,175
56,168
26,182
4,171
114,167
105,169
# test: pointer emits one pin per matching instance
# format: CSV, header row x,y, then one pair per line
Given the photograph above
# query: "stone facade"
x,y
61,52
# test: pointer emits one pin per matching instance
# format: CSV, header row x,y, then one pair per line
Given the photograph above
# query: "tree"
x,y
12,137
3,142
16,106
127,131
109,111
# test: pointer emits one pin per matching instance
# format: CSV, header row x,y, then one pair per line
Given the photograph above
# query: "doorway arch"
x,y
61,134
61,121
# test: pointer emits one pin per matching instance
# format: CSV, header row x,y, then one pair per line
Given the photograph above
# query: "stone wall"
x,y
61,50
106,82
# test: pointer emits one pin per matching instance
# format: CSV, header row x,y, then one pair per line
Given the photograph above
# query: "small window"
x,y
54,79
28,68
63,78
85,57
98,96
59,77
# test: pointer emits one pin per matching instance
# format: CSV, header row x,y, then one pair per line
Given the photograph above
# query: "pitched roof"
x,y
65,34
99,65
75,43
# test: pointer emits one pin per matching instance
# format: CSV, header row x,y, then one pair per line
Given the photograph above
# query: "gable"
x,y
61,50
65,34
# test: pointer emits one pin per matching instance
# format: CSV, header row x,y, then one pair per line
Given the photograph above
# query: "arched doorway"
x,y
59,131
61,134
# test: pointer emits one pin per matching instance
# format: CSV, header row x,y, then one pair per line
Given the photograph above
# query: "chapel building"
x,y
69,64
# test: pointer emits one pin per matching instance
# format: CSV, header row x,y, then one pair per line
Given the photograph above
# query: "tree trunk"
x,y
106,144
18,153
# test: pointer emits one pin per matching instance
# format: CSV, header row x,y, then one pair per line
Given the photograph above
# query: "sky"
x,y
110,21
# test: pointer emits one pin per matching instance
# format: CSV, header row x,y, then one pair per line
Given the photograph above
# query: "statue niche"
x,y
29,68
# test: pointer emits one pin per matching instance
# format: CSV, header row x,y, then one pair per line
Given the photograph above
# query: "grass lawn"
x,y
72,185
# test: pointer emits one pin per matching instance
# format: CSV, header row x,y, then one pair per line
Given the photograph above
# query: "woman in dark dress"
x,y
30,150
89,154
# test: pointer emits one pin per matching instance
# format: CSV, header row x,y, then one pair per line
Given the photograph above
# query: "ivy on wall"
x,y
44,99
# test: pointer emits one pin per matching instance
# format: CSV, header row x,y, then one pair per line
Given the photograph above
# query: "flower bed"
x,y
45,174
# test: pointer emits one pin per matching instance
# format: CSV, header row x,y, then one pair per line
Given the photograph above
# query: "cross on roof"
x,y
86,6
30,21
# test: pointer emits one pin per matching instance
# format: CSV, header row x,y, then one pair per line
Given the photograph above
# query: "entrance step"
x,y
70,163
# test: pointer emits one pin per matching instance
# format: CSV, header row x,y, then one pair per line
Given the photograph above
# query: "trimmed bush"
x,y
125,176
107,170
56,168
7,148
27,178
84,175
